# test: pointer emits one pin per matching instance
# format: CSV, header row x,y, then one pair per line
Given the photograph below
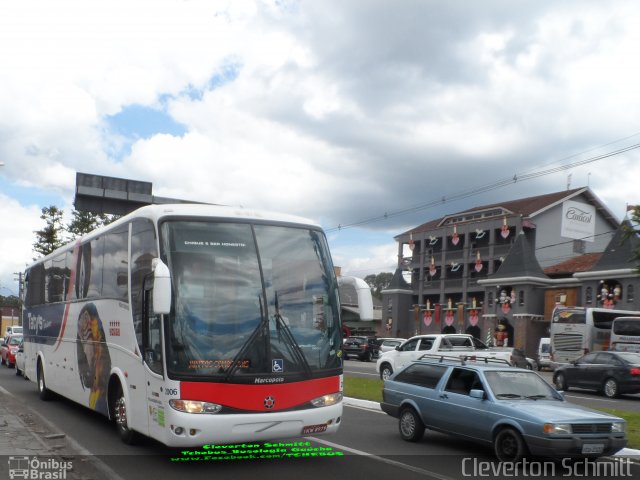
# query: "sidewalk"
x,y
28,441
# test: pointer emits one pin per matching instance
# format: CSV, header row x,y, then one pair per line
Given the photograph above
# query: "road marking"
x,y
395,463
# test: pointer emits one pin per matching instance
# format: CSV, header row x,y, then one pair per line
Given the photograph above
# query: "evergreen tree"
x,y
85,222
378,283
51,236
634,229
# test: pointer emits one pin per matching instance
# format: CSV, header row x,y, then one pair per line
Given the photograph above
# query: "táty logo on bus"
x,y
35,468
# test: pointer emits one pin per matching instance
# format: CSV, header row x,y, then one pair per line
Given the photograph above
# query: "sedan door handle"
x,y
444,395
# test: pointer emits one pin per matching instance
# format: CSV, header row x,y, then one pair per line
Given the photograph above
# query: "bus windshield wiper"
x,y
256,332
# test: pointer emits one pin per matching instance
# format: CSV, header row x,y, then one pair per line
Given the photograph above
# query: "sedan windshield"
x,y
250,300
507,385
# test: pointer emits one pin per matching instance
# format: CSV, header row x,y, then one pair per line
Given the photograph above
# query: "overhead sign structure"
x,y
578,221
111,195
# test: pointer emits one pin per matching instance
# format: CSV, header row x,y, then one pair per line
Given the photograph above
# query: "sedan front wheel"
x,y
509,446
610,388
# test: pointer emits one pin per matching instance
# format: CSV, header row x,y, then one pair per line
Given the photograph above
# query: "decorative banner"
x,y
455,238
480,233
505,300
428,318
432,267
455,266
473,317
506,307
433,240
504,230
478,266
448,319
411,243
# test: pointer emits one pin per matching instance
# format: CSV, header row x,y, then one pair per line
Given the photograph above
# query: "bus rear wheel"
x,y
43,391
119,414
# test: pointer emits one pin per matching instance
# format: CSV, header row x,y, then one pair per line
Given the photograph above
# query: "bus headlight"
x,y
327,400
561,428
194,406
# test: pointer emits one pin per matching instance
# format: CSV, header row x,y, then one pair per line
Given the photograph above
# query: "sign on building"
x,y
578,221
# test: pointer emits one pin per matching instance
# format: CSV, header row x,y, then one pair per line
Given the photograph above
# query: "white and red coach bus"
x,y
191,324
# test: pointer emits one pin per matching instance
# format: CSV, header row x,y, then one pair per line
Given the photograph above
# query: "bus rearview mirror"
x,y
161,288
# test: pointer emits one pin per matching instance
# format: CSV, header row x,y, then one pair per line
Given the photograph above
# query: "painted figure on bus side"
x,y
94,362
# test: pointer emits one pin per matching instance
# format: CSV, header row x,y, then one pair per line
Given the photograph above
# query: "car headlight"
x,y
327,400
562,428
194,406
618,427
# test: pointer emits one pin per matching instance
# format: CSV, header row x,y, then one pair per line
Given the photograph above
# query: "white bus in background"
x,y
192,325
578,330
625,334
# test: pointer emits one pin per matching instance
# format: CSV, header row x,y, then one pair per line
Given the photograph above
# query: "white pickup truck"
x,y
452,344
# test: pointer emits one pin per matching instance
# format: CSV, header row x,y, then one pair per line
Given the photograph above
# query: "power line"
x,y
484,188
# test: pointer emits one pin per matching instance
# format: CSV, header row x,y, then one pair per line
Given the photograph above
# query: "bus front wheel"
x,y
119,414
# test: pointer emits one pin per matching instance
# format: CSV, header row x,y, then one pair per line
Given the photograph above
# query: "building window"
x,y
629,293
588,296
521,298
579,246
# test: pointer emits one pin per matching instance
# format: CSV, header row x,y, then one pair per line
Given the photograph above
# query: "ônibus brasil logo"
x,y
35,468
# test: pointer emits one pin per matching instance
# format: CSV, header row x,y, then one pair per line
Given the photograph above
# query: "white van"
x,y
625,334
12,330
544,354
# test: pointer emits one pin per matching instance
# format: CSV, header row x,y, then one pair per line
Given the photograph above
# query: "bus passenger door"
x,y
153,365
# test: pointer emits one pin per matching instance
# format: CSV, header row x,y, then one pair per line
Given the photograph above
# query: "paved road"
x,y
586,398
368,442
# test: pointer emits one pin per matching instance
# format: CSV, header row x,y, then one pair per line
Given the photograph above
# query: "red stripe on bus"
x,y
253,396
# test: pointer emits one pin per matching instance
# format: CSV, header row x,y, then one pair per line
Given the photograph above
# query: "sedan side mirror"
x,y
477,393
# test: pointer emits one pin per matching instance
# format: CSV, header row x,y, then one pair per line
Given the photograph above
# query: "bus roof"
x,y
193,210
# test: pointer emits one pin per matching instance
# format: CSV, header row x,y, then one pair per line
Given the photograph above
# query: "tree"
x,y
51,236
85,222
633,228
378,283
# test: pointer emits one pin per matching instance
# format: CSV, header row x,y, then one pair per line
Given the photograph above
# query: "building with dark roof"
x,y
513,260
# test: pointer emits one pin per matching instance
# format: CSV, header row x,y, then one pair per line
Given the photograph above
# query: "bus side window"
x,y
152,332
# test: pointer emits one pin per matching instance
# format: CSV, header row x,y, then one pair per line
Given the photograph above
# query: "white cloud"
x,y
334,110
19,223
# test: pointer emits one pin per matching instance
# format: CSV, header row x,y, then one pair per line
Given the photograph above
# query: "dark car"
x,y
611,373
365,348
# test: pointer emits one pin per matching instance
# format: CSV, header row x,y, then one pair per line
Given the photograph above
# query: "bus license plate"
x,y
315,429
593,448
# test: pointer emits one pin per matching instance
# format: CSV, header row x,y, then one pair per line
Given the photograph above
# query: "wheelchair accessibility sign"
x,y
277,365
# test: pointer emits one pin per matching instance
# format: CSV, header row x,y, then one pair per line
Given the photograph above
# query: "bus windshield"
x,y
250,300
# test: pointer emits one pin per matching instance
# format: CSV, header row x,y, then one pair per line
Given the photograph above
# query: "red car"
x,y
9,348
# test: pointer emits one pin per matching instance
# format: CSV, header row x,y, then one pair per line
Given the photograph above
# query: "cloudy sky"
x,y
347,112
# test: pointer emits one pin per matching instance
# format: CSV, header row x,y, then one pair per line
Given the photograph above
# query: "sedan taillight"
x,y
634,371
